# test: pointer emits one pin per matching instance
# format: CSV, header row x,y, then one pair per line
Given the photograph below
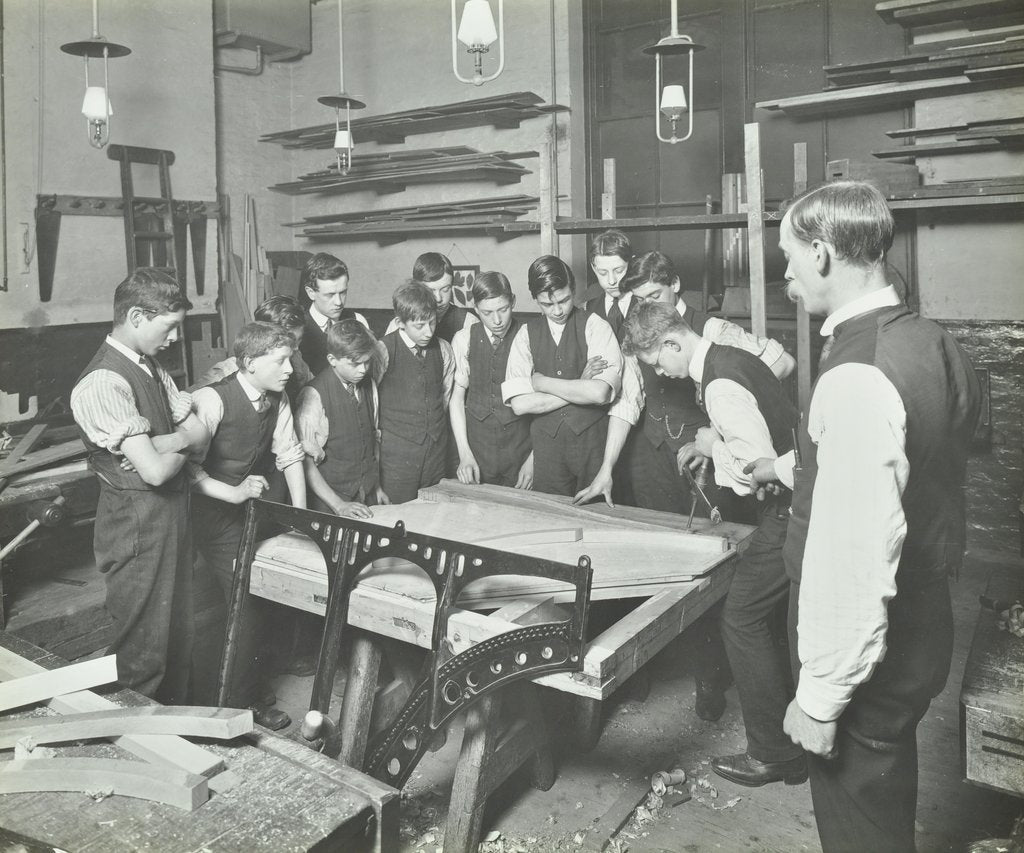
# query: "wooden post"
x,y
548,237
608,196
755,228
803,319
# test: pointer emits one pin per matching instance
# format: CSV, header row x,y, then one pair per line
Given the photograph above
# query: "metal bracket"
x,y
454,682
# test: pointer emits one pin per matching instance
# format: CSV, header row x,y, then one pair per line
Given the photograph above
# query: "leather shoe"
x,y
745,770
710,702
266,696
270,717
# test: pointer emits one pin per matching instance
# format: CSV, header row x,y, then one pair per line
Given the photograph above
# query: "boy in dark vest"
x,y
750,417
564,368
609,255
326,287
436,271
252,432
127,408
878,520
414,393
336,419
492,440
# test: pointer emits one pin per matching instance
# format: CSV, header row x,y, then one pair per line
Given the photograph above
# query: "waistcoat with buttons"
x,y
940,393
350,452
671,413
411,393
564,361
242,445
486,373
150,400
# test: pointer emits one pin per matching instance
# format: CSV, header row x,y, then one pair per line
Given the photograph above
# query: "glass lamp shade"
x,y
96,106
477,26
343,140
673,101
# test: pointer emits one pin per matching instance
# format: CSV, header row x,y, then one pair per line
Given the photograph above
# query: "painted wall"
x,y
397,57
162,97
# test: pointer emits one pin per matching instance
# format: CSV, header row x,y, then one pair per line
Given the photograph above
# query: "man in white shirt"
x,y
878,520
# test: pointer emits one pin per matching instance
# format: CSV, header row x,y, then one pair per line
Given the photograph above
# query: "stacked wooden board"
x,y
392,172
920,13
991,135
944,70
503,111
488,215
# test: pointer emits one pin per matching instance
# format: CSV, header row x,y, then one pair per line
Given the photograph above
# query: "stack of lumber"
x,y
954,193
488,215
991,135
953,69
920,13
172,771
392,172
23,457
504,111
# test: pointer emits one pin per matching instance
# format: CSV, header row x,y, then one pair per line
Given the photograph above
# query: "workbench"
x,y
283,797
390,603
992,695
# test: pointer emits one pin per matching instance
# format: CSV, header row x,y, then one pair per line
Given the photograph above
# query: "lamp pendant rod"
x,y
341,51
675,18
96,18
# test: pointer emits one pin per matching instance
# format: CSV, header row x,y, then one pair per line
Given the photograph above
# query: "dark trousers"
x,y
654,478
759,664
866,797
407,467
567,463
500,449
143,548
217,528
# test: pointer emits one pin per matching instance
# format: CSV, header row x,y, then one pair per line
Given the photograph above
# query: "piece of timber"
x,y
30,689
27,442
162,749
184,721
138,779
48,456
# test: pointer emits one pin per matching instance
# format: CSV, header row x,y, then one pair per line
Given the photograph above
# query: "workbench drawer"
x,y
994,749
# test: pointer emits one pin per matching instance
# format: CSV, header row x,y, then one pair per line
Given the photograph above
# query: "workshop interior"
x,y
206,642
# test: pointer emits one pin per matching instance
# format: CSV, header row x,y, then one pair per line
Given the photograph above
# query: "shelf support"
x,y
755,228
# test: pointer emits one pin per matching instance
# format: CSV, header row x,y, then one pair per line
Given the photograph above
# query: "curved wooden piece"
x,y
128,778
217,723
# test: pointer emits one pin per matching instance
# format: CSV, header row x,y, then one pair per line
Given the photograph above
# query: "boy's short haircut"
x,y
283,311
413,302
651,266
548,274
491,285
256,339
352,340
610,242
647,326
324,267
152,290
432,266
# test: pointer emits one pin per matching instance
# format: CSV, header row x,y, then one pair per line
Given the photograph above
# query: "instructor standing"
x,y
878,520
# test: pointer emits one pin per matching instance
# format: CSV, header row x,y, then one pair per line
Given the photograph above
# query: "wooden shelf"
x,y
680,223
501,111
920,13
1004,200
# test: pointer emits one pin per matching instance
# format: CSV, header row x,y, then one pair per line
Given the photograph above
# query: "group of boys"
x,y
623,396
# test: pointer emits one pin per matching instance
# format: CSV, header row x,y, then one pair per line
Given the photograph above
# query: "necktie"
x,y
615,316
496,342
419,352
262,404
329,325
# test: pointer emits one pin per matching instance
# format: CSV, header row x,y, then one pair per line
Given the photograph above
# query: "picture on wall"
x,y
462,287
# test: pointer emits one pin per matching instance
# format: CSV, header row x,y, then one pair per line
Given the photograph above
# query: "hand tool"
x,y
696,486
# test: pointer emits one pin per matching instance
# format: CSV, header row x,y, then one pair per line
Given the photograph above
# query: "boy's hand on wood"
x,y
469,471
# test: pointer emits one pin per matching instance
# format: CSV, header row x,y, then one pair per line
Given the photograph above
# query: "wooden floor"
x,y
639,738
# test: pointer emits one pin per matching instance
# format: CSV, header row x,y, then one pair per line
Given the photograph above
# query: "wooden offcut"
x,y
42,686
184,721
138,779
